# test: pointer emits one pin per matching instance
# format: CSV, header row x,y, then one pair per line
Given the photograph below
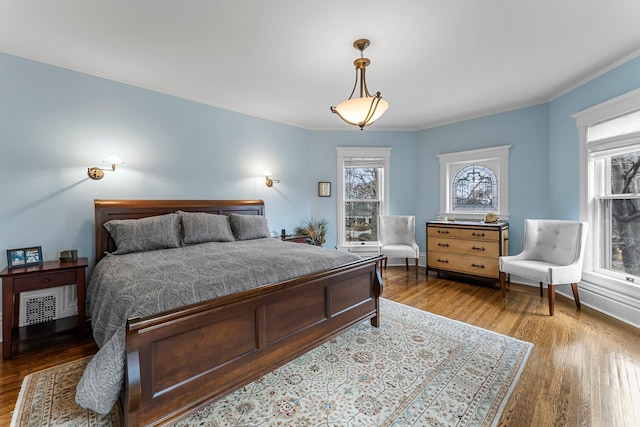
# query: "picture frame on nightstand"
x,y
24,257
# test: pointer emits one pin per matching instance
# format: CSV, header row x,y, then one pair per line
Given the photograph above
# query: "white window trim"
x,y
450,163
362,152
618,298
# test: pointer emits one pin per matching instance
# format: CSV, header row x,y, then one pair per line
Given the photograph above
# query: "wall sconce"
x,y
268,181
98,173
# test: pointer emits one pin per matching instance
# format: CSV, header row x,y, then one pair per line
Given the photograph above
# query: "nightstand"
x,y
295,239
50,274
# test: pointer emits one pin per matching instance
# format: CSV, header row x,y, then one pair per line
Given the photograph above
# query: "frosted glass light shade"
x,y
354,111
114,160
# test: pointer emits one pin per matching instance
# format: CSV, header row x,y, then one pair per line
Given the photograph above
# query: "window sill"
x,y
612,286
359,249
616,298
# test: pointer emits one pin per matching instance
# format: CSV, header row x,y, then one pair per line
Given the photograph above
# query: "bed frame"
x,y
181,360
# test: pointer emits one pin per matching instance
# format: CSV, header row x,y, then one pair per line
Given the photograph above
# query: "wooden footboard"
x,y
181,360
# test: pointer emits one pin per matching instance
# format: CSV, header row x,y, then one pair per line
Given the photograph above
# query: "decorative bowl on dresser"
x,y
466,248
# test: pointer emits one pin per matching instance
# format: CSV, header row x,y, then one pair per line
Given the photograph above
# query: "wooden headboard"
x,y
106,210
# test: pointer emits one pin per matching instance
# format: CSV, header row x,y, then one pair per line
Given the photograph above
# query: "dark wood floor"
x,y
583,371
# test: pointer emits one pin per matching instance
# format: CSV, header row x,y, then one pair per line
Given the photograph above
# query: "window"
x,y
610,189
363,183
474,183
618,210
475,188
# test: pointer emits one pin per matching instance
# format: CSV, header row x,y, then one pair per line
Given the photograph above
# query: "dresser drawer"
x,y
477,266
40,281
465,247
443,232
480,234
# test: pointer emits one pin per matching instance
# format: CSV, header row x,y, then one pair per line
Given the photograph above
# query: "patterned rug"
x,y
417,369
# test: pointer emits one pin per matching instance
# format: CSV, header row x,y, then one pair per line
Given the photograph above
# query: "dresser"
x,y
469,248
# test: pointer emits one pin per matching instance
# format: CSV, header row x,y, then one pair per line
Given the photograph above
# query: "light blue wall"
x,y
526,130
563,133
55,123
404,164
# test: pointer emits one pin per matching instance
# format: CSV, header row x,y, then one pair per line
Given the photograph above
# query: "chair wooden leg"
x,y
552,298
416,268
503,284
540,289
574,288
406,263
385,262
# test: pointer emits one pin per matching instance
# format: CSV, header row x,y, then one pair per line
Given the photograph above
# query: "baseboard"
x,y
400,262
605,301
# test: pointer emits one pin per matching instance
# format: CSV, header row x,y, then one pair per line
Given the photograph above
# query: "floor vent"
x,y
38,309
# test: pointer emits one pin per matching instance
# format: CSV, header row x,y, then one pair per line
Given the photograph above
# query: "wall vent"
x,y
38,309
47,304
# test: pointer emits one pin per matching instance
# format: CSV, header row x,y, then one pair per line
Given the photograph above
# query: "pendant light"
x,y
367,108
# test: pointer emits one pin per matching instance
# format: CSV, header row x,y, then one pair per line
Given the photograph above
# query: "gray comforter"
x,y
146,283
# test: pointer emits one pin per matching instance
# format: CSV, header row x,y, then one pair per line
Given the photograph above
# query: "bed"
x,y
179,359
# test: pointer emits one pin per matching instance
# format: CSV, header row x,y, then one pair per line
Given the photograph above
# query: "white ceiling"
x,y
435,61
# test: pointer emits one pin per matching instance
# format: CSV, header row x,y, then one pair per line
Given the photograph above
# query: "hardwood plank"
x,y
583,371
34,356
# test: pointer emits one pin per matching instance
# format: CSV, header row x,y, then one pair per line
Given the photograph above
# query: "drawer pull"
x,y
474,234
46,280
445,245
443,231
478,248
443,260
477,265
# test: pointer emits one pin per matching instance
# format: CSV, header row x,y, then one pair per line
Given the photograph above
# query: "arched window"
x,y
475,188
474,183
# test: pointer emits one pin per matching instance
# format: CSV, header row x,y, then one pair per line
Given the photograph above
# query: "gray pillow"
x,y
145,234
247,227
200,227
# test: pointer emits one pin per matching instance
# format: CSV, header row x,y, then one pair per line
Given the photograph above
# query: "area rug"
x,y
417,369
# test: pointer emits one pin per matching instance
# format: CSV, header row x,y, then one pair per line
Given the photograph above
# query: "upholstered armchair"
x,y
398,238
553,254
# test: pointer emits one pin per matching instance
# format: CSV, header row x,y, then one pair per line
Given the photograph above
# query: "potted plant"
x,y
316,230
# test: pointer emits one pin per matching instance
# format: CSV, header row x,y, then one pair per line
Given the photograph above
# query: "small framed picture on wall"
x,y
324,189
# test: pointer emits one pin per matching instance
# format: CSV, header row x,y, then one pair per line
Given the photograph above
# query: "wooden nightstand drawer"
x,y
40,281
